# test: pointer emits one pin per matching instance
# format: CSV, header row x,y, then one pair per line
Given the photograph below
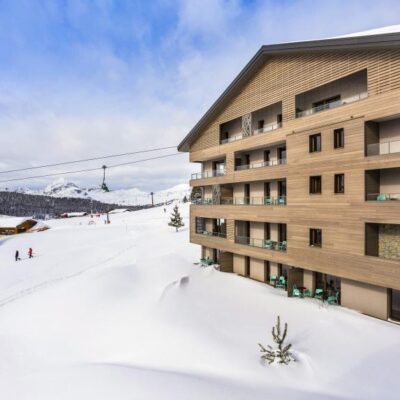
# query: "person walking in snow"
x,y
30,252
17,256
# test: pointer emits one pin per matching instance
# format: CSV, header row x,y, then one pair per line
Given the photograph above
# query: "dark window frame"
x,y
338,138
315,184
315,237
315,143
339,183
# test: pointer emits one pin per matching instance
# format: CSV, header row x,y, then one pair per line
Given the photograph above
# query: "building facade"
x,y
300,171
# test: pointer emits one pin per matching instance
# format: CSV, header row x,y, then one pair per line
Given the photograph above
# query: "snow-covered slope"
x,y
134,196
119,311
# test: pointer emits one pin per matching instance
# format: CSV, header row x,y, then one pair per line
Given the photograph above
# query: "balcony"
x,y
260,201
265,235
215,227
382,136
382,240
261,164
382,185
208,174
343,91
264,120
261,243
210,202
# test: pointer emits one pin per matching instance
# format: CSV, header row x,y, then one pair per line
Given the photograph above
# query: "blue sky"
x,y
86,78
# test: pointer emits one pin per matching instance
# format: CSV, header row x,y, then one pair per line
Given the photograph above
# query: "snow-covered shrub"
x,y
176,219
282,354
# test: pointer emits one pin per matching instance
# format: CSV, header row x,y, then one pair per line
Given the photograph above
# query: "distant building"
x,y
73,214
12,226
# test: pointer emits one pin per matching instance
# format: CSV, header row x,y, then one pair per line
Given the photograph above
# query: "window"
x,y
315,143
260,124
338,138
339,183
315,237
279,118
315,185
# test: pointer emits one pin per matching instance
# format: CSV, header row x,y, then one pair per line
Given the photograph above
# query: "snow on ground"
x,y
120,311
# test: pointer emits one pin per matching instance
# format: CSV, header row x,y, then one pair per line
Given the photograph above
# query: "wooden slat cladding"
x,y
282,77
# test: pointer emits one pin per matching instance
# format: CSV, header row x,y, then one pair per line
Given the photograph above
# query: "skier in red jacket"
x,y
30,252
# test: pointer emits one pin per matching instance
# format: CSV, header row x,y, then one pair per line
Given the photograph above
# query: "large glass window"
x,y
395,305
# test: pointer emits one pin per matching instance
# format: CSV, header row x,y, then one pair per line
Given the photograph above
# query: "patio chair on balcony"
x,y
296,292
333,300
281,282
381,197
268,244
268,201
272,280
319,294
282,246
307,293
281,201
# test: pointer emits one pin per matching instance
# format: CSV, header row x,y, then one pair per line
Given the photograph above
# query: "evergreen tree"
x,y
176,219
185,199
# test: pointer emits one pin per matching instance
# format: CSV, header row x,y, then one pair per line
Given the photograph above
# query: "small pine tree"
x,y
283,354
176,219
185,199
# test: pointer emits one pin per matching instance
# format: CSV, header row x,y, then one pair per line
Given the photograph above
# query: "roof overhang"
x,y
342,43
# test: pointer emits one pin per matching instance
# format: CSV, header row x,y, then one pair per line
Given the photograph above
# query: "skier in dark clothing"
x,y
30,252
17,256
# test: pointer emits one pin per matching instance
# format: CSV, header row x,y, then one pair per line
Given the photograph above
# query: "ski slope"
x,y
121,312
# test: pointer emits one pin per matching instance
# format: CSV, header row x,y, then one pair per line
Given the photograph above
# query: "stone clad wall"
x,y
389,241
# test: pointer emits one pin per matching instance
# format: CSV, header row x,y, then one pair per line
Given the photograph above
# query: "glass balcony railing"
x,y
260,201
268,128
209,201
281,161
265,129
262,243
214,234
208,174
377,149
332,104
383,196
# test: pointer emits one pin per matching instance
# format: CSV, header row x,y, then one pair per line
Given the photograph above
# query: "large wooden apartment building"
x,y
300,171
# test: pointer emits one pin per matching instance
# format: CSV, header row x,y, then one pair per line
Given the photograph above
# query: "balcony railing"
x,y
281,161
233,138
214,234
267,128
260,201
332,104
208,174
262,243
377,149
209,201
383,196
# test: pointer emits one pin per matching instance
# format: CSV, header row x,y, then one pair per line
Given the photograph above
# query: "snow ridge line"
x,y
45,284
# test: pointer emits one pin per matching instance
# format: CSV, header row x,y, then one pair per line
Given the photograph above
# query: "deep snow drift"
x,y
119,311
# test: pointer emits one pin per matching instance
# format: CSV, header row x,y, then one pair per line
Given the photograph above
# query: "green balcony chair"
x,y
268,201
268,244
319,294
272,279
282,245
333,300
281,282
281,201
296,292
381,197
307,293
